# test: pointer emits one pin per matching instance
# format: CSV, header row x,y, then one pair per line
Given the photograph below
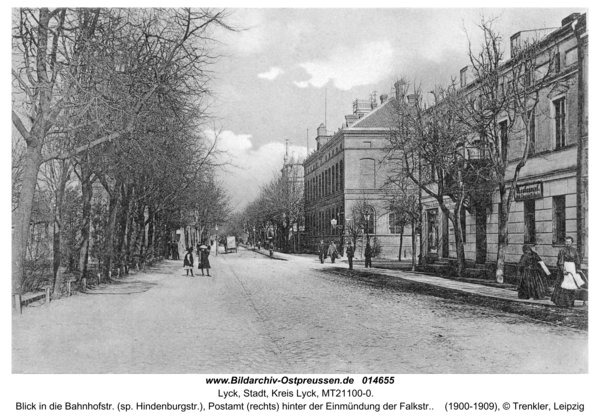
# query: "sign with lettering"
x,y
529,191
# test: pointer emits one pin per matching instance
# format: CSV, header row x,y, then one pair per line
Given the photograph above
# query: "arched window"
x,y
370,219
367,173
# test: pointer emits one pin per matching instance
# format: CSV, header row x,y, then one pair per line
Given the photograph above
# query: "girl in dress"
x,y
188,262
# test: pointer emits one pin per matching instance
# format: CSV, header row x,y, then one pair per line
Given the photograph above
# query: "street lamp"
x,y
342,229
367,217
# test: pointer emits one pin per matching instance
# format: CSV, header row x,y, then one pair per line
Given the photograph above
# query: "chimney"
x,y
572,17
383,98
398,88
412,99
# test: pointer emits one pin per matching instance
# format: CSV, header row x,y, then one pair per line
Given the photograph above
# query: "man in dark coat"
x,y
322,251
350,254
368,255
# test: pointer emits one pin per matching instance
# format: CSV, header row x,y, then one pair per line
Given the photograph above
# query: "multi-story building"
x,y
345,177
551,200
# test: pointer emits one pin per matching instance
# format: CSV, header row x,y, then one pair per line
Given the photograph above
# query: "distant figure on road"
x,y
332,252
204,264
188,262
258,245
531,276
350,254
322,251
368,255
175,251
568,270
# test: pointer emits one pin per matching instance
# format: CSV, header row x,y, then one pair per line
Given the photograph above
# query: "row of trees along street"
x,y
459,146
109,151
277,212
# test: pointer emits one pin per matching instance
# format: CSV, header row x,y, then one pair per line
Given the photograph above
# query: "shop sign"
x,y
529,191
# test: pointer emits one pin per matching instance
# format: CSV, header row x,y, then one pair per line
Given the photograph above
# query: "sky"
x,y
289,70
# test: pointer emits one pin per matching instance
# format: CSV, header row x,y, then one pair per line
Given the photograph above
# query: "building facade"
x,y
551,200
345,183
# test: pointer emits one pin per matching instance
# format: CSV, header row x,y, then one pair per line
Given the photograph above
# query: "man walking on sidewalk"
x,y
368,254
350,254
322,251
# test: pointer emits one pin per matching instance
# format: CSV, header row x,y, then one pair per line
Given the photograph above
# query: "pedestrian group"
x,y
203,261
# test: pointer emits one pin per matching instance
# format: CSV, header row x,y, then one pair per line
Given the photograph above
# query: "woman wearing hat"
x,y
188,262
204,263
531,276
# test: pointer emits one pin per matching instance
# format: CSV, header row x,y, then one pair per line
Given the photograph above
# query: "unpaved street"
x,y
258,315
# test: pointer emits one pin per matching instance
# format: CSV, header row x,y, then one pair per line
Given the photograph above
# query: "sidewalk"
x,y
505,292
472,286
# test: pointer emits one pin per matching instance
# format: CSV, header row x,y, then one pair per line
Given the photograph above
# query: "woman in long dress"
x,y
531,282
204,263
567,258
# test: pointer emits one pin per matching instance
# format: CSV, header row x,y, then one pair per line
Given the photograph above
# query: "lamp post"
x,y
216,240
342,229
367,217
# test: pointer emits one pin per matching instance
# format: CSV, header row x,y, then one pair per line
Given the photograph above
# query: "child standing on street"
x,y
188,262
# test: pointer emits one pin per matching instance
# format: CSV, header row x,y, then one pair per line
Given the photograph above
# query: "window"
x,y
463,77
370,221
463,224
559,123
394,224
528,77
504,139
556,62
367,173
529,217
531,133
559,222
571,57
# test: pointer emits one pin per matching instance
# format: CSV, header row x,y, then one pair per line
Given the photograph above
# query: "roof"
x,y
380,117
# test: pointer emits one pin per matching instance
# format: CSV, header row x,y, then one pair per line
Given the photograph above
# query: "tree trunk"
x,y
58,222
401,240
22,215
414,246
126,191
84,240
113,209
460,245
502,235
150,248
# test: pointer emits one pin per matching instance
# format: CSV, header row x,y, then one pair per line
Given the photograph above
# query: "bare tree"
x,y
428,147
499,109
87,59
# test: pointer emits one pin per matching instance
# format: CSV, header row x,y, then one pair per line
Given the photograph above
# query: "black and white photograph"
x,y
319,210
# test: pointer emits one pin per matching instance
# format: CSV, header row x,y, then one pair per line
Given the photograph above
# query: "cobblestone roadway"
x,y
257,315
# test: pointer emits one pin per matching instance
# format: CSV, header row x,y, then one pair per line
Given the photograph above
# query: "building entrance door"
x,y
432,231
480,235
